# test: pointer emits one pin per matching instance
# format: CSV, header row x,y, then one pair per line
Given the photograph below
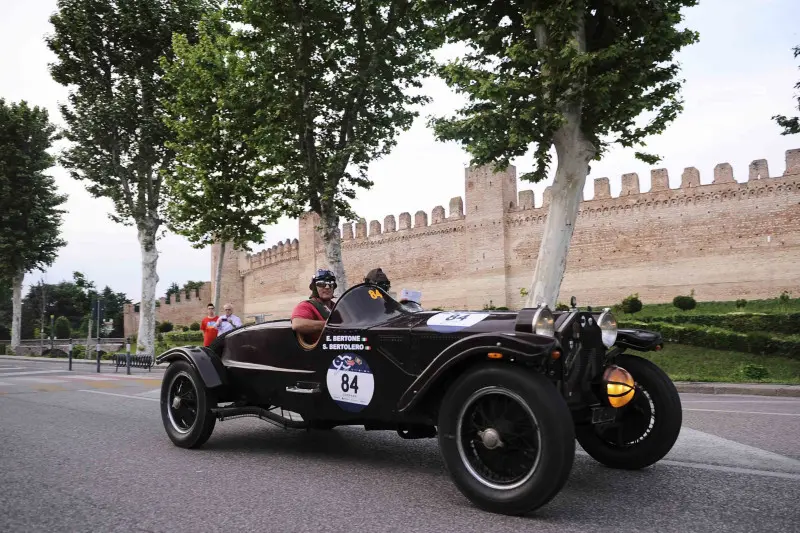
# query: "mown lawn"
x,y
692,363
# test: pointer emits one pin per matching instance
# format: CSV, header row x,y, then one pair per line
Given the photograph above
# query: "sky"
x,y
739,74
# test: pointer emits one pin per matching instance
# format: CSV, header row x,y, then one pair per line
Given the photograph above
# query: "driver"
x,y
309,316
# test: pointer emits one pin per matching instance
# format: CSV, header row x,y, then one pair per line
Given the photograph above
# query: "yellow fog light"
x,y
619,385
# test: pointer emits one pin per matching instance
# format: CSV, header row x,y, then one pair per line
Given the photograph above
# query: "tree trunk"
x,y
218,275
16,313
147,306
574,153
332,239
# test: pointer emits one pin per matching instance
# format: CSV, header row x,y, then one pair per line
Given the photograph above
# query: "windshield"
x,y
364,306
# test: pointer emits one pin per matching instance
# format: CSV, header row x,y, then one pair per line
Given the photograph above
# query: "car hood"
x,y
468,322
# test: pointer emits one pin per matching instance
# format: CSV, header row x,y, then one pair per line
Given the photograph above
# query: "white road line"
x,y
41,380
743,412
32,372
121,395
6,384
731,469
774,400
154,392
13,367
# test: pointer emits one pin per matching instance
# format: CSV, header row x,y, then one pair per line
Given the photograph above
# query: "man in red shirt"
x,y
309,316
209,326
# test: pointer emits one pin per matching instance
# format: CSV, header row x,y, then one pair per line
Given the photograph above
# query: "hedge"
x,y
783,323
184,336
722,339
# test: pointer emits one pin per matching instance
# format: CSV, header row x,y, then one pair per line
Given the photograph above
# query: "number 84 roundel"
x,y
350,382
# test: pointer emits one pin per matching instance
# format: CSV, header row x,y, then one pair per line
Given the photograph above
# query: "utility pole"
x,y
89,329
42,293
52,333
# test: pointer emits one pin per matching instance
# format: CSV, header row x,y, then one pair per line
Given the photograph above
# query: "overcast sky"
x,y
738,75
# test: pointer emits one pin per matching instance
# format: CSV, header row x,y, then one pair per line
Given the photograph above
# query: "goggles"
x,y
325,284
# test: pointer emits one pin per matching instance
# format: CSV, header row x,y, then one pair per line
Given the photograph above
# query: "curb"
x,y
755,389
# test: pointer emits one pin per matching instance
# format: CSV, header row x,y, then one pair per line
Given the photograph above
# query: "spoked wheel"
x,y
507,438
645,429
185,406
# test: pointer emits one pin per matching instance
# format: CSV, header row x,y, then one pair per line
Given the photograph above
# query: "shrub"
x,y
784,298
723,339
685,303
63,328
184,336
562,307
784,323
165,326
195,326
632,304
741,303
752,372
184,328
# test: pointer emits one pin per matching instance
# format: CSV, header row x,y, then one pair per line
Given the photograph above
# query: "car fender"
x,y
644,340
208,365
515,347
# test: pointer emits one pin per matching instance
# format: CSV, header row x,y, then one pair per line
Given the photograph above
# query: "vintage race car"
x,y
507,393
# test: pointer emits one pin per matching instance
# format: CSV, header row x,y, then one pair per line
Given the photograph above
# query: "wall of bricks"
x,y
190,308
726,240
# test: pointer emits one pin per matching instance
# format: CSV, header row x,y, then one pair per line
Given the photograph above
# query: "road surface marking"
x,y
6,384
32,372
771,400
40,380
731,469
743,412
122,395
13,367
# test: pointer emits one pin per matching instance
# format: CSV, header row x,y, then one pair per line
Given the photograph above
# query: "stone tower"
x,y
489,196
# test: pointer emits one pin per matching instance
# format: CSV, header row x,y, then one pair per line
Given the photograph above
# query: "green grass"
x,y
691,363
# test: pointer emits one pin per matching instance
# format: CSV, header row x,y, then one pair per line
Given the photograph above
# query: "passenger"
x,y
309,316
378,277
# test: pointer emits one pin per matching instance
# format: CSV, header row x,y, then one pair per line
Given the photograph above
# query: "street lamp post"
x,y
52,334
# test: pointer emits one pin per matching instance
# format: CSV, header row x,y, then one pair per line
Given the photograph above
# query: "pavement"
x,y
87,451
755,389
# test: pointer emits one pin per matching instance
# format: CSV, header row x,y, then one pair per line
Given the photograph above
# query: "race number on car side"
x,y
350,382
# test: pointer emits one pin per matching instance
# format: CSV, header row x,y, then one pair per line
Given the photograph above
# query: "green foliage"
x,y
534,64
30,213
780,323
195,326
107,53
749,371
685,303
63,328
184,336
632,304
790,125
740,303
723,339
562,307
784,298
165,326
221,191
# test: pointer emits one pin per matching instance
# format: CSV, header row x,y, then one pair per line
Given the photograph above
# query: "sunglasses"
x,y
326,284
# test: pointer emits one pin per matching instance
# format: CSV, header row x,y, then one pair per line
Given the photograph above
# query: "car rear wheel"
x,y
646,427
186,406
507,438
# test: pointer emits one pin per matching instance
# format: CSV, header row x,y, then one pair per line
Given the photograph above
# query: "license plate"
x,y
603,414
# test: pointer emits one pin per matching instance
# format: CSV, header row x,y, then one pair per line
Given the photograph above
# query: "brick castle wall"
x,y
726,240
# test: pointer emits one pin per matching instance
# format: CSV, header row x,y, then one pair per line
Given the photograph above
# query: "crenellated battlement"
x,y
723,187
287,250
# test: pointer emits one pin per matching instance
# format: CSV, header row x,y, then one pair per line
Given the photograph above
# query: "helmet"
x,y
324,276
376,276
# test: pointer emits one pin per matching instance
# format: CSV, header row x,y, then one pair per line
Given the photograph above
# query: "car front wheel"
x,y
186,406
645,429
507,438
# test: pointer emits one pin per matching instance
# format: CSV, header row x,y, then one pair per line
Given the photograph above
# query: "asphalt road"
x,y
78,453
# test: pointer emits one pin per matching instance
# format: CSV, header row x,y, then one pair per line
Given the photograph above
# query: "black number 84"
x,y
347,384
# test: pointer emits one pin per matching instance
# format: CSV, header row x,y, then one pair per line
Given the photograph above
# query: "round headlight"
x,y
608,328
544,322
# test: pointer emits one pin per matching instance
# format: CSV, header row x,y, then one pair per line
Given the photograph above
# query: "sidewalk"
x,y
757,389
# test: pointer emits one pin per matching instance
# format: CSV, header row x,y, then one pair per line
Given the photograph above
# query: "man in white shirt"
x,y
228,320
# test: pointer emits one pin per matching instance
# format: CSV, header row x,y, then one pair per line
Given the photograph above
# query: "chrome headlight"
x,y
544,322
608,328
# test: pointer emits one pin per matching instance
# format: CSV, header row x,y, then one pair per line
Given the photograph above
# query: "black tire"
x,y
189,425
654,415
551,438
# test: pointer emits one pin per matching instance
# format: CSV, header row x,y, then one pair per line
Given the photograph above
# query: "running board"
x,y
223,413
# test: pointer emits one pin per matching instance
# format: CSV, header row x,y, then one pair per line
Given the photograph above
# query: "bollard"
x,y
128,353
70,354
